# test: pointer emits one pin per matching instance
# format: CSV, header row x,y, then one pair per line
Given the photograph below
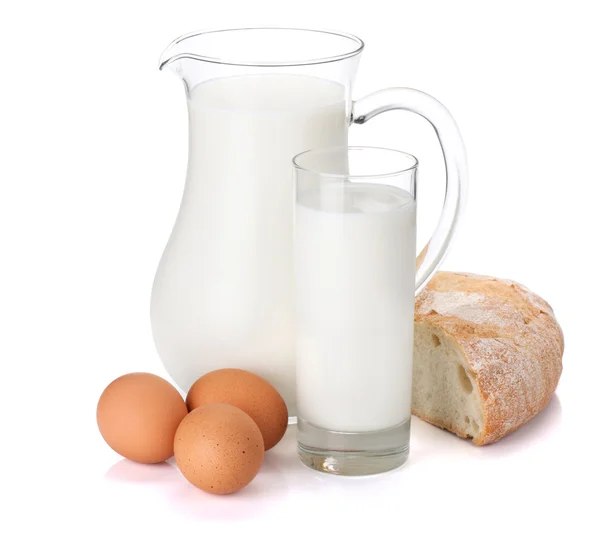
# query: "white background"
x,y
92,164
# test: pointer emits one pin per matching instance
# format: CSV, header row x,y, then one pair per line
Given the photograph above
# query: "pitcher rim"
x,y
358,42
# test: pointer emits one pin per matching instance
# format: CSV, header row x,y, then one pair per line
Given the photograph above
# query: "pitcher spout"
x,y
174,53
192,58
182,59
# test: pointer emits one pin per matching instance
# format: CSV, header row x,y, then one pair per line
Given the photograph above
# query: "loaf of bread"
x,y
487,357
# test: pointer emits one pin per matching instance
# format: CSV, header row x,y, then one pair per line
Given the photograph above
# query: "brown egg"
x,y
247,391
219,448
138,415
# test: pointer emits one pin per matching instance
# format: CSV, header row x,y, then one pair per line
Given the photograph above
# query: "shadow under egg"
x,y
258,498
128,471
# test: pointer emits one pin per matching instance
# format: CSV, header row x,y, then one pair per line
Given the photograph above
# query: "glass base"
x,y
353,453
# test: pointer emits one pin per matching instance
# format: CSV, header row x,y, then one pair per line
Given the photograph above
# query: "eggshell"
x,y
219,448
138,415
247,391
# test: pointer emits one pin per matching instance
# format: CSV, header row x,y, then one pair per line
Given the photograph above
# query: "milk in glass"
x,y
355,273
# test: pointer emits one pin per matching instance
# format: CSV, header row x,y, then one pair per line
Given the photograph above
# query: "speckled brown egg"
x,y
247,391
219,448
138,415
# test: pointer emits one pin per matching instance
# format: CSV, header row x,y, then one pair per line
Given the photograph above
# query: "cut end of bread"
x,y
444,389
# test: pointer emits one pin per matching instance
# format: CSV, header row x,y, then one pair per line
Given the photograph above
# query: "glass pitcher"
x,y
223,292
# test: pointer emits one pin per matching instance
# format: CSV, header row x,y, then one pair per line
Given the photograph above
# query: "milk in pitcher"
x,y
223,294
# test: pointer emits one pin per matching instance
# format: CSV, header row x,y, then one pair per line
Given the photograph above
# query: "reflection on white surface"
x,y
283,478
127,471
428,442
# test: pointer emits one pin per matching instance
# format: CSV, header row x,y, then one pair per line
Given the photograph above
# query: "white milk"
x,y
355,285
223,293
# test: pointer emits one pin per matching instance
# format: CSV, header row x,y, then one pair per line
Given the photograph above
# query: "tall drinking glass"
x,y
355,240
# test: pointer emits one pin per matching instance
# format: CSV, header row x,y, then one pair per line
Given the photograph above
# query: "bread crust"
x,y
511,343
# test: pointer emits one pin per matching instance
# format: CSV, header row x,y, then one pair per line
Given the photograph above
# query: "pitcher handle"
x,y
455,160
